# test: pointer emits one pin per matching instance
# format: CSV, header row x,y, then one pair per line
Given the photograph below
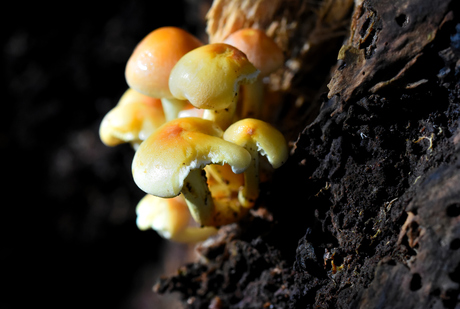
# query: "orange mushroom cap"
x,y
260,49
150,64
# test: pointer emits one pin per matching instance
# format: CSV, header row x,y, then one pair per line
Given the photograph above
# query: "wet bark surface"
x,y
365,214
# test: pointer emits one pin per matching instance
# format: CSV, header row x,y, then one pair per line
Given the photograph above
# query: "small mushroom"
x,y
265,55
210,77
171,219
171,161
256,136
132,120
150,64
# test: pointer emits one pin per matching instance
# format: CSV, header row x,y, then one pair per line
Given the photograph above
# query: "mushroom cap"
x,y
250,133
166,216
150,64
210,76
260,49
164,160
133,119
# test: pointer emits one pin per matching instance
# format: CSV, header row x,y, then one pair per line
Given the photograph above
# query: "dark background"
x,y
69,235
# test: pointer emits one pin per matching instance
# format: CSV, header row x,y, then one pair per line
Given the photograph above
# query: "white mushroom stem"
x,y
224,117
250,191
252,96
172,107
198,197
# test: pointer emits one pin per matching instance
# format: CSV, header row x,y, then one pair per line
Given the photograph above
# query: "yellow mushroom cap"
x,y
134,118
260,49
150,64
210,76
254,133
164,160
166,216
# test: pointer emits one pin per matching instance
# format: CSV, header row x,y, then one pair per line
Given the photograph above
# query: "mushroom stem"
x,y
198,197
194,234
172,107
207,211
223,117
249,193
252,96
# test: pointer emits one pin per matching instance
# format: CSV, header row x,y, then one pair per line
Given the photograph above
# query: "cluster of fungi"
x,y
192,113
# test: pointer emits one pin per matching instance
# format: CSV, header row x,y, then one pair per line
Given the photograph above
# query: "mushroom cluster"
x,y
192,114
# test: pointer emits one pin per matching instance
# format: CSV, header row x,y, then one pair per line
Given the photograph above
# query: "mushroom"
x,y
223,175
171,219
132,120
265,55
190,111
210,77
150,64
256,136
224,186
171,161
